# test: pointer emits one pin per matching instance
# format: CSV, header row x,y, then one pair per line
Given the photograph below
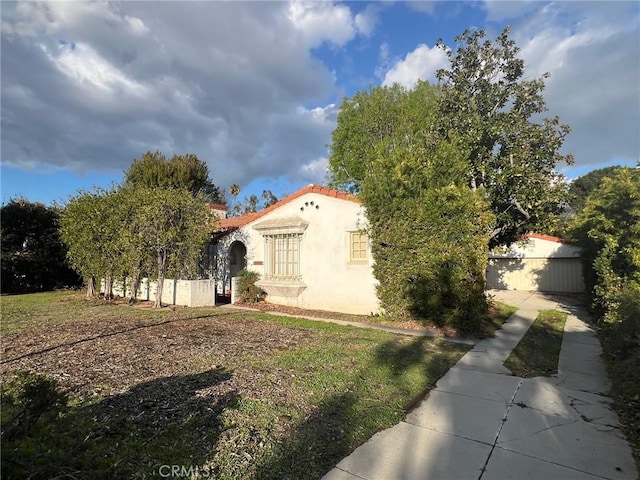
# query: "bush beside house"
x,y
248,292
608,230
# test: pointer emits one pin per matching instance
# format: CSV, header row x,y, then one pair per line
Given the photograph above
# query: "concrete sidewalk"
x,y
480,422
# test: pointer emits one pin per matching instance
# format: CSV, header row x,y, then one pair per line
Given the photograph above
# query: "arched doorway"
x,y
237,259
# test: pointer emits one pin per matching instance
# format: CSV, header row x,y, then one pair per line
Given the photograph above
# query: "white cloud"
x,y
500,10
315,171
137,26
382,66
91,86
367,19
85,66
383,52
592,52
318,22
420,64
424,6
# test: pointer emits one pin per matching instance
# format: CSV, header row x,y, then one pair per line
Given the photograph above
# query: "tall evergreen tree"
x,y
187,171
33,255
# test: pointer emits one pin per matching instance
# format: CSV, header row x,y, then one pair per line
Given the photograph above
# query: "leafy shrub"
x,y
622,330
431,255
608,230
248,292
27,397
620,336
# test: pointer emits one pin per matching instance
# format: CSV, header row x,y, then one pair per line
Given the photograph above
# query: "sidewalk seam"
x,y
504,420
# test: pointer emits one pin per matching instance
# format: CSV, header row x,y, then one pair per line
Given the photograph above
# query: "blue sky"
x,y
253,88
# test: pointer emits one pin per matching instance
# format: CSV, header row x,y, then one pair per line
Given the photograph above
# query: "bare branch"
x,y
520,209
496,232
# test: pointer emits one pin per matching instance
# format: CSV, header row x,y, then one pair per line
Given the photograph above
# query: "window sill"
x,y
358,262
282,288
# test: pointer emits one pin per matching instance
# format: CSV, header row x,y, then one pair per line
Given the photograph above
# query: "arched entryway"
x,y
237,258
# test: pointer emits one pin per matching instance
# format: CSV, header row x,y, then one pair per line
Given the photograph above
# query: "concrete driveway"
x,y
481,422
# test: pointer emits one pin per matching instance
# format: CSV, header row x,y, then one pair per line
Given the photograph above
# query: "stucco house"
x,y
311,252
536,262
309,249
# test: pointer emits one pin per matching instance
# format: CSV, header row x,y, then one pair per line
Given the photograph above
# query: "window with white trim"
x,y
358,247
283,256
283,238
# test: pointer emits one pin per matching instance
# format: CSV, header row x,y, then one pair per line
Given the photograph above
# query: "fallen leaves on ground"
x,y
160,359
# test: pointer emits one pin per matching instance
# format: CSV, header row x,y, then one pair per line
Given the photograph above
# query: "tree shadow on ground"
x,y
157,424
344,420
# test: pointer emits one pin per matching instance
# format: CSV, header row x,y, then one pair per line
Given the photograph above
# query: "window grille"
x,y
283,256
358,247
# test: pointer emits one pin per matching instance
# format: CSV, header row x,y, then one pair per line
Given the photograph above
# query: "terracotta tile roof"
x,y
233,223
216,206
237,222
542,236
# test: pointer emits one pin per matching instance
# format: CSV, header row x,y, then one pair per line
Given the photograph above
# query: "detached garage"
x,y
537,262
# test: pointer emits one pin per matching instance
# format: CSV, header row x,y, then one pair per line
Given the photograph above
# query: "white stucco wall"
x,y
190,293
332,282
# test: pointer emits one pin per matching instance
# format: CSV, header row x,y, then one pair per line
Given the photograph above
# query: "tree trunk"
x,y
135,285
108,287
91,287
162,265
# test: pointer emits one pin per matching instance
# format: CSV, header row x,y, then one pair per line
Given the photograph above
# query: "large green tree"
x,y
33,255
447,171
375,122
485,103
488,101
174,226
583,186
429,234
131,230
608,230
92,226
154,169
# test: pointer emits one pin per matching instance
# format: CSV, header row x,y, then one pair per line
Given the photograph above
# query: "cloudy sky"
x,y
253,88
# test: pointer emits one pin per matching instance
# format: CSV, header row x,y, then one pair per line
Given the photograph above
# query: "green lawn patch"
x,y
64,307
498,314
537,353
227,395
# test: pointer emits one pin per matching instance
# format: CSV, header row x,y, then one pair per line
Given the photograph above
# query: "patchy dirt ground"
x,y
214,387
106,357
153,371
